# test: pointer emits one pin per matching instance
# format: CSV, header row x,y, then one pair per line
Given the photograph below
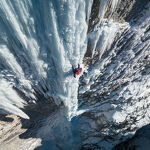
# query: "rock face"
x,y
94,14
125,10
140,141
17,133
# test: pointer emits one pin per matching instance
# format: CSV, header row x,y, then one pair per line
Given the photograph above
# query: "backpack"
x,y
77,71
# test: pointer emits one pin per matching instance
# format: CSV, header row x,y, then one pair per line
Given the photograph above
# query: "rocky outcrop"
x,y
122,10
17,133
125,10
94,14
140,141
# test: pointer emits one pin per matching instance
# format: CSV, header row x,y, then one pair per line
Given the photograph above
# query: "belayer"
x,y
76,71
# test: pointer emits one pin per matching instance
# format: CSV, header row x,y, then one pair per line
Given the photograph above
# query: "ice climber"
x,y
76,71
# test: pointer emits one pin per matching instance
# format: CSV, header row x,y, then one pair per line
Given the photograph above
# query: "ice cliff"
x,y
40,41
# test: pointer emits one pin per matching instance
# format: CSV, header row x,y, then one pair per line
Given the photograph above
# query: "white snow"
x,y
10,101
101,39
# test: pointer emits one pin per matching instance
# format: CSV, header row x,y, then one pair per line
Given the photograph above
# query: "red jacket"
x,y
77,71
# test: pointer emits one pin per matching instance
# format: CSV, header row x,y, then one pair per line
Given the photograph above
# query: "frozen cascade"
x,y
42,42
39,43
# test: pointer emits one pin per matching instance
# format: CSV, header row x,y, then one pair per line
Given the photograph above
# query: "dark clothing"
x,y
74,70
78,66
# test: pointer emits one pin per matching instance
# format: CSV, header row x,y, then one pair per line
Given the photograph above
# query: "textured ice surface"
x,y
115,89
39,43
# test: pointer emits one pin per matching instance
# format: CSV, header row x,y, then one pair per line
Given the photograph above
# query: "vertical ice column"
x,y
102,9
42,35
104,5
74,42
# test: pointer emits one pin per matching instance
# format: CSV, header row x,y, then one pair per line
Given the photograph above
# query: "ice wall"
x,y
39,43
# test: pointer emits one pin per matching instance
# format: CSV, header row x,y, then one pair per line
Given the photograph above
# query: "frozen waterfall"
x,y
39,43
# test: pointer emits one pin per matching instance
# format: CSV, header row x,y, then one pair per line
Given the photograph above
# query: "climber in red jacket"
x,y
76,70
